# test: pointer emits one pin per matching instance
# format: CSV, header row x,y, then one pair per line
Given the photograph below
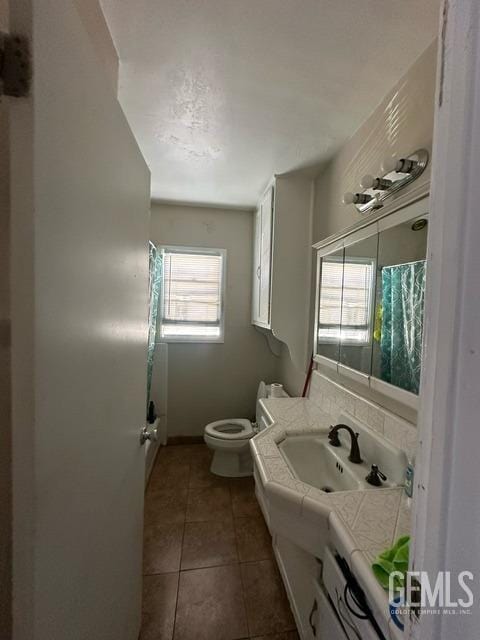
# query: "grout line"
x,y
160,573
240,571
397,519
211,566
176,605
181,553
234,528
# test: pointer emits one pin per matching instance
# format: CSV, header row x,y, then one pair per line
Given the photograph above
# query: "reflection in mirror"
x,y
397,336
357,304
330,305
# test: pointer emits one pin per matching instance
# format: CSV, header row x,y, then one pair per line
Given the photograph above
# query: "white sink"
x,y
314,461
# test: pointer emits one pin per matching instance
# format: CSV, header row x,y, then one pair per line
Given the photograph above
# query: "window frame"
x,y
220,339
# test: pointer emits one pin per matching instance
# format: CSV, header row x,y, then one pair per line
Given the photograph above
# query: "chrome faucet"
x,y
335,441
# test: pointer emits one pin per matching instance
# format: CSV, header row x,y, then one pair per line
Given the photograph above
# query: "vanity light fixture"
x,y
396,174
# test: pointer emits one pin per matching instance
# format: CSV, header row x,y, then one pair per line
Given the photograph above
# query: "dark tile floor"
x,y
209,570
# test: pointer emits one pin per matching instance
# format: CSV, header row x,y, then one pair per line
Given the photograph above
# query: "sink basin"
x,y
314,461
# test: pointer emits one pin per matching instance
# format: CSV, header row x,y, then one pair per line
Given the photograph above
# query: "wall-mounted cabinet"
x,y
369,302
282,263
262,260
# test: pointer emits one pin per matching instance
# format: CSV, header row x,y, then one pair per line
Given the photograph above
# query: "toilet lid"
x,y
232,429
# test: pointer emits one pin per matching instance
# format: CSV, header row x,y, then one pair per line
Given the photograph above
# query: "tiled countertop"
x,y
365,523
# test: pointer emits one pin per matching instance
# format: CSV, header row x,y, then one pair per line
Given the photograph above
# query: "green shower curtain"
x,y
403,293
155,285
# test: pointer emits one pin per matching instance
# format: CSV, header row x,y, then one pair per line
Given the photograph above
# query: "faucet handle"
x,y
333,437
382,475
375,476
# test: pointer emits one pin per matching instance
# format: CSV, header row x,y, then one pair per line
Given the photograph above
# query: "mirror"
x,y
370,303
329,305
400,293
358,295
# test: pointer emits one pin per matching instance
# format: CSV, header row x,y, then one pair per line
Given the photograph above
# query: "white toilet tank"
x,y
261,417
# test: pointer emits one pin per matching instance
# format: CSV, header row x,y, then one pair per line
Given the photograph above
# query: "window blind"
x,y
331,292
345,302
192,293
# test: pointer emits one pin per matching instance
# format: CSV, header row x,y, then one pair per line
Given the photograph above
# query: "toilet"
x,y
229,439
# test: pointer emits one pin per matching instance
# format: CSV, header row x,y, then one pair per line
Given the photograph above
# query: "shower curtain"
x,y
403,293
155,284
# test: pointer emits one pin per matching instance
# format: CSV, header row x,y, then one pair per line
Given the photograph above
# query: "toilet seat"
x,y
230,429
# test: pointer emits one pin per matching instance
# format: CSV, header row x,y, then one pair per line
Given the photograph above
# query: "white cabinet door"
x,y
80,221
300,573
324,620
257,250
265,258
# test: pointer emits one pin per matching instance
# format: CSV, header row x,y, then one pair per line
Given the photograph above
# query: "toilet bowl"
x,y
229,440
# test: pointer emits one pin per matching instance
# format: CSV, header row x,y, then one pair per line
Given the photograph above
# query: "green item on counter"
x,y
393,559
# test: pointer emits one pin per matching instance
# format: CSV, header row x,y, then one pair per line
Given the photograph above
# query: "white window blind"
x,y
192,297
330,312
345,301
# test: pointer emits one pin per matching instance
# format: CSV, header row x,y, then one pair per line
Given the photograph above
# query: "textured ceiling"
x,y
222,94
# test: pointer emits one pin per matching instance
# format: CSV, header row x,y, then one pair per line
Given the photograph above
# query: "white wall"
x,y
215,381
91,14
402,123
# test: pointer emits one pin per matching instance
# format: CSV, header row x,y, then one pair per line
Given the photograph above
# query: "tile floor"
x,y
209,570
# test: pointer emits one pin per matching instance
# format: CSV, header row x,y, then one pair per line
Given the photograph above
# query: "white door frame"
x,y
446,522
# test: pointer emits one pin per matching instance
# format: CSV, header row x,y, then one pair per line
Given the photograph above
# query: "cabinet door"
x,y
358,295
265,258
257,249
398,335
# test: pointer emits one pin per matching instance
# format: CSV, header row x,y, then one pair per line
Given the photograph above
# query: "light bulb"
x,y
389,164
367,182
349,198
356,198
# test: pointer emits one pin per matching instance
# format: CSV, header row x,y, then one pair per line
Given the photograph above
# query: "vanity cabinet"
x,y
282,264
369,302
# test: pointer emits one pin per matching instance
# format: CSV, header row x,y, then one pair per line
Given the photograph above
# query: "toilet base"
x,y
232,465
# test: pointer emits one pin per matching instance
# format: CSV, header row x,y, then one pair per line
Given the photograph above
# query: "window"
x,y
346,290
330,311
357,301
192,305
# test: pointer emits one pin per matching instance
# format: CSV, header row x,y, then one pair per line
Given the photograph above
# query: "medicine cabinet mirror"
x,y
359,267
370,299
